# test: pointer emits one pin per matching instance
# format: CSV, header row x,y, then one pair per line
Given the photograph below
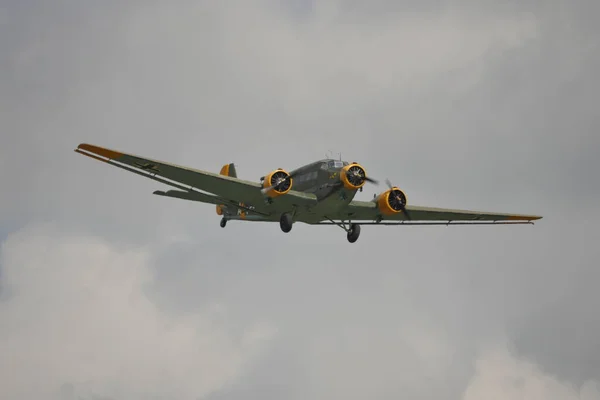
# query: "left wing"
x,y
368,211
187,179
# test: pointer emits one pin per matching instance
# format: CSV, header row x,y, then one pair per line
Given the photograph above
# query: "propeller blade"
x,y
290,176
405,211
374,181
268,189
399,199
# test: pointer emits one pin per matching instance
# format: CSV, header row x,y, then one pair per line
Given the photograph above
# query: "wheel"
x,y
353,233
223,222
285,222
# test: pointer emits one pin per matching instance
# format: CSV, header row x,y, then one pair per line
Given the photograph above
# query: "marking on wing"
x,y
147,166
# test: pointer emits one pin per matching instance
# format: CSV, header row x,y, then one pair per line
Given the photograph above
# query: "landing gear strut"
x,y
352,231
223,222
285,222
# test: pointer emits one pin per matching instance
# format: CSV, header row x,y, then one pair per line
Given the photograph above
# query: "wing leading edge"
x,y
188,180
368,211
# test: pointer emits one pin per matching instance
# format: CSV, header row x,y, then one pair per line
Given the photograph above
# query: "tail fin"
x,y
227,170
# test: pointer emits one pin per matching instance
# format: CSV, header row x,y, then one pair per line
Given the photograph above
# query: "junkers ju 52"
x,y
319,193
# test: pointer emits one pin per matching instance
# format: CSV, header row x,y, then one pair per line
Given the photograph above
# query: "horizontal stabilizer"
x,y
192,196
206,198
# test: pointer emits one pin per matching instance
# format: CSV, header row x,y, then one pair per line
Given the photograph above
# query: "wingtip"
x,y
83,146
524,217
101,151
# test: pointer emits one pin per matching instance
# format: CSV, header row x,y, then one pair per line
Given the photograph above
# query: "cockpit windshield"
x,y
335,164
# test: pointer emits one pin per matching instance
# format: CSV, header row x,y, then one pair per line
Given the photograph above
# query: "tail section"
x,y
227,170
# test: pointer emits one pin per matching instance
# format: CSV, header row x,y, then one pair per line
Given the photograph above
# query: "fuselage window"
x,y
306,177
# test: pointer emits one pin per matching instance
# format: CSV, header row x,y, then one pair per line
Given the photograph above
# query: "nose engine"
x,y
353,176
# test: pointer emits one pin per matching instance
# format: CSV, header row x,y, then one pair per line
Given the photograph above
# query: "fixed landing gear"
x,y
223,222
353,233
352,230
285,222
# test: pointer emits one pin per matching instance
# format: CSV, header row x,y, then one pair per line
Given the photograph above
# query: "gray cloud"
x,y
463,104
78,314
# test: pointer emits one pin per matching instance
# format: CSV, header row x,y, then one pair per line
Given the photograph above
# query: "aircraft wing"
x,y
189,179
368,211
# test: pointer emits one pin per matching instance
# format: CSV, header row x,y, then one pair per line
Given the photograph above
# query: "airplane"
x,y
318,193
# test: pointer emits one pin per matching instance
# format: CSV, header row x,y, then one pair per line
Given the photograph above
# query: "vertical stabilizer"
x,y
227,170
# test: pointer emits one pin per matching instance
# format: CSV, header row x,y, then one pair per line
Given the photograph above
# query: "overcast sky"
x,y
109,292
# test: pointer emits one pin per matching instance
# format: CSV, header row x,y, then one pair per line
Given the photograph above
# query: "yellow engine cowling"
x,y
353,176
275,177
392,201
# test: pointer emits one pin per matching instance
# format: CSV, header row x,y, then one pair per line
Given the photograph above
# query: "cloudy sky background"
x,y
109,291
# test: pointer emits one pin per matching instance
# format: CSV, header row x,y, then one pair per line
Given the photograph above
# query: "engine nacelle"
x,y
392,201
281,181
353,176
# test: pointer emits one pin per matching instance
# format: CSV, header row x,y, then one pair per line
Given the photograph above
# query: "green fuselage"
x,y
321,178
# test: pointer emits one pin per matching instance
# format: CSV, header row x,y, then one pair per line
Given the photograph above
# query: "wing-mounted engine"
x,y
353,176
277,183
392,201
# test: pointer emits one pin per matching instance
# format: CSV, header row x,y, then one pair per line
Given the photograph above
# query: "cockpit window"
x,y
334,164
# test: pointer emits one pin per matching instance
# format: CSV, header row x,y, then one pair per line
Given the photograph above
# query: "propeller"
x,y
356,175
397,199
278,183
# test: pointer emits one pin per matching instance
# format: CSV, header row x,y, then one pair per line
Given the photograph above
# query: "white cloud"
x,y
501,376
357,361
77,313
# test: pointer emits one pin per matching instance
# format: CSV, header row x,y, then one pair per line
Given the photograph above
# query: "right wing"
x,y
368,211
187,179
